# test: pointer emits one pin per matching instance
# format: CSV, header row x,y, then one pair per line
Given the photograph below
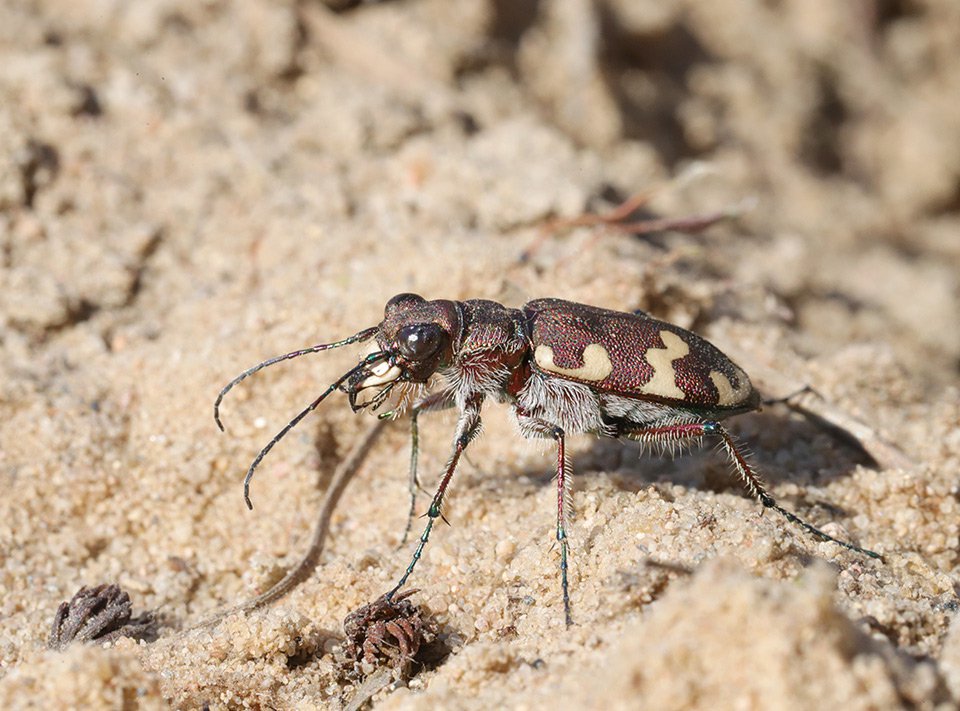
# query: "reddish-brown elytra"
x,y
563,368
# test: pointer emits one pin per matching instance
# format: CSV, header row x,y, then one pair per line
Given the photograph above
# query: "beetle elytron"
x,y
563,367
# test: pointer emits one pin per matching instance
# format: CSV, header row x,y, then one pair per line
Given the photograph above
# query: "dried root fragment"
x,y
99,614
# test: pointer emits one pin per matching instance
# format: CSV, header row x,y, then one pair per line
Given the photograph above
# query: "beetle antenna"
x,y
303,413
363,335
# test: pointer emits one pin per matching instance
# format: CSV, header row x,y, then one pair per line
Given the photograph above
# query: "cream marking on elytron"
x,y
727,394
664,380
596,363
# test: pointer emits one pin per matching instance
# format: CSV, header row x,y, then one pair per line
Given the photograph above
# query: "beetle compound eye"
x,y
419,341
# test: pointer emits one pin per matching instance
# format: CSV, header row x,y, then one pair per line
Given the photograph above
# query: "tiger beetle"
x,y
564,368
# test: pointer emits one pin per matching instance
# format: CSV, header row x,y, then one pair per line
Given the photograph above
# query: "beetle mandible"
x,y
563,367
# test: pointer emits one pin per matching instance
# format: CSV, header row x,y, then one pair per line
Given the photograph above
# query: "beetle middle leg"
x,y
563,472
683,431
535,427
468,427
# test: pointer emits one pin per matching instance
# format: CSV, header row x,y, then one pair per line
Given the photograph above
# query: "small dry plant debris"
x,y
385,632
629,217
99,614
387,642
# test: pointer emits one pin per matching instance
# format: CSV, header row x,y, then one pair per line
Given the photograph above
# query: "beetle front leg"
x,y
431,403
684,431
468,427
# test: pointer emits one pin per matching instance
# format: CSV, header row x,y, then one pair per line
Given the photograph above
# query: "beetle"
x,y
563,368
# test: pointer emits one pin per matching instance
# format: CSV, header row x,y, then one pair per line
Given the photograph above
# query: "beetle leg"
x,y
563,471
431,403
751,480
536,427
468,427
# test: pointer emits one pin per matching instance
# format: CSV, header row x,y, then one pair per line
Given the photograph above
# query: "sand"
x,y
188,188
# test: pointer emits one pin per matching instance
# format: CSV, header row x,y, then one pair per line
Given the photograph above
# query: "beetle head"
x,y
416,339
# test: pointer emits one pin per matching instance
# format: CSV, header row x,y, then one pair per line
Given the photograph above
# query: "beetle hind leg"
x,y
757,490
686,431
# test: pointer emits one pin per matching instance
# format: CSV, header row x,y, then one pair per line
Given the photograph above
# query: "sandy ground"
x,y
189,187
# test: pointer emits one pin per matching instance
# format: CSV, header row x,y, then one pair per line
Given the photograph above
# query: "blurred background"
x,y
215,137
